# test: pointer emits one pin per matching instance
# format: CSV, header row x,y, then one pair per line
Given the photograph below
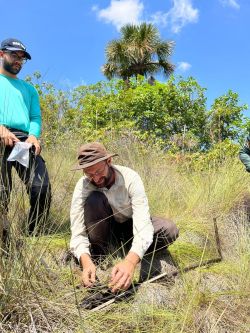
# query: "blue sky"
x,y
67,39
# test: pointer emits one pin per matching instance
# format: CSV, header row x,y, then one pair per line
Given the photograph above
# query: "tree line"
x,y
173,115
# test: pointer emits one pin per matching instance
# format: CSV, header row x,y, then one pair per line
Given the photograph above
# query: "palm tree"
x,y
140,50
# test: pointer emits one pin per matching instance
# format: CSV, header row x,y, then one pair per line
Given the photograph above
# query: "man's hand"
x,y
8,138
122,273
89,270
33,140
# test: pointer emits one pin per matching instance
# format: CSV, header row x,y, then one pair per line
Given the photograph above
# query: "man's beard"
x,y
103,183
105,180
9,67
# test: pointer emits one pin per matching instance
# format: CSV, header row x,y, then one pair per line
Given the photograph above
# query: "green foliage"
x,y
154,113
225,118
214,157
171,115
54,105
164,111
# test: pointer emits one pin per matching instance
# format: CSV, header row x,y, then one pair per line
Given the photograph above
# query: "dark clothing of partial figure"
x,y
35,178
245,157
104,231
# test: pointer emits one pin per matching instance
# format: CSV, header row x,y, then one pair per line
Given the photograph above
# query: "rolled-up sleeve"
x,y
142,226
79,243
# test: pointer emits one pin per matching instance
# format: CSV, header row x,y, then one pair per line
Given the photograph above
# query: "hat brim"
x,y
27,55
86,165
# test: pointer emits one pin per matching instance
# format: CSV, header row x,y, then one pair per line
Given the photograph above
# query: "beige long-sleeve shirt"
x,y
127,199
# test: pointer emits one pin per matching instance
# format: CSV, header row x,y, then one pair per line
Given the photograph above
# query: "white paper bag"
x,y
20,153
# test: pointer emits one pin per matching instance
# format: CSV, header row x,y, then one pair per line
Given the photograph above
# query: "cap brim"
x,y
27,55
86,165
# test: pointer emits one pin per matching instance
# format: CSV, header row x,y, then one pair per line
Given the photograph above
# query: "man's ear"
x,y
109,160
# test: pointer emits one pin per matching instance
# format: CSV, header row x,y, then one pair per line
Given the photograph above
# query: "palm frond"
x,y
140,50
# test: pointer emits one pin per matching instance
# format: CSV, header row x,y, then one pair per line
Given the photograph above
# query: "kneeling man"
x,y
110,206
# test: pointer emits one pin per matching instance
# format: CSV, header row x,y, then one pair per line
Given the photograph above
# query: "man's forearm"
x,y
85,260
133,258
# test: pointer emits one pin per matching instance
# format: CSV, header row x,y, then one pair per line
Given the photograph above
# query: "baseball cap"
x,y
13,44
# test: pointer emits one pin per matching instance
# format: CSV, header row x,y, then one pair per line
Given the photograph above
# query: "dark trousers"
x,y
36,180
103,230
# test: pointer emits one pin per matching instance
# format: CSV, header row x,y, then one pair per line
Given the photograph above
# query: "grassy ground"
x,y
40,294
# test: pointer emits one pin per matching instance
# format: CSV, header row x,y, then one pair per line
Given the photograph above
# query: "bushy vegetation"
x,y
171,115
187,157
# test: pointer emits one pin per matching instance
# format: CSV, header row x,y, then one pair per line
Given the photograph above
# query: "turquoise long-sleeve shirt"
x,y
19,106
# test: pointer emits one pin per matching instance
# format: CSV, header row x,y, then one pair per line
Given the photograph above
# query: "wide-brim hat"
x,y
90,154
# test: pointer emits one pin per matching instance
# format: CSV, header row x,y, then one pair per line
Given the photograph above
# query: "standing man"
x,y
20,120
110,205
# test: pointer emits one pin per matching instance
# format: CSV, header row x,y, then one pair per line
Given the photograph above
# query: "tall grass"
x,y
40,294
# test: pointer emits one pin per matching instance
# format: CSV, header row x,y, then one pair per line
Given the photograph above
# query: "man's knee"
x,y
95,199
165,228
172,231
96,207
97,214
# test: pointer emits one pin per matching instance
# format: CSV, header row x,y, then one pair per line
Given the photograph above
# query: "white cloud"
x,y
66,83
160,18
178,16
183,66
121,12
181,14
231,3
